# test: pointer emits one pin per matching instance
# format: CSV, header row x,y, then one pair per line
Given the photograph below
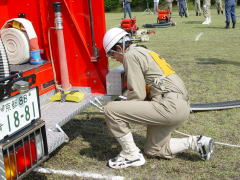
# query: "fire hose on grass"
x,y
100,106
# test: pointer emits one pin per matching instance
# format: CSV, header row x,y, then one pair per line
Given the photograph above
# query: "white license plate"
x,y
18,111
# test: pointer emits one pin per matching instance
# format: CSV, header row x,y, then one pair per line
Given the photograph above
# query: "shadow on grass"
x,y
35,176
193,22
211,27
215,61
193,157
93,130
100,145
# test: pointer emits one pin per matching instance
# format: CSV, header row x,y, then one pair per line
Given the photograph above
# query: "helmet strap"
x,y
124,45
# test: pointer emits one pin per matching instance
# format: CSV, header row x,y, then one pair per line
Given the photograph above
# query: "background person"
x,y
168,5
219,6
156,98
230,13
206,11
155,6
197,5
182,8
126,8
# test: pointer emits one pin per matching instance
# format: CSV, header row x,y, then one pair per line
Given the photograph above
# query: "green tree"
x,y
111,5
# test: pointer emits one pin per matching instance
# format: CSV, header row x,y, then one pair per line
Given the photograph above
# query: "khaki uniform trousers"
x,y
155,7
160,118
168,5
198,7
219,6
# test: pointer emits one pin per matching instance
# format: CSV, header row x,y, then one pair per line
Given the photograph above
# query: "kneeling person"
x,y
156,98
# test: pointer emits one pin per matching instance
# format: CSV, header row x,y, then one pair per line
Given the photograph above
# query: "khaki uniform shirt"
x,y
143,73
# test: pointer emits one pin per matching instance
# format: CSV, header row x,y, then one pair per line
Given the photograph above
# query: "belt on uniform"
x,y
174,95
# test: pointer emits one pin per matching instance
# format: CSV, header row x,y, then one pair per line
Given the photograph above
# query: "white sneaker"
x,y
207,21
204,22
205,147
121,162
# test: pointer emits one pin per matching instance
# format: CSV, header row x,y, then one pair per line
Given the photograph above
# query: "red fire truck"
x,y
69,36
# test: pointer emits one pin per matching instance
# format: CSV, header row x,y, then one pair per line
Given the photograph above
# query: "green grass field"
x,y
210,68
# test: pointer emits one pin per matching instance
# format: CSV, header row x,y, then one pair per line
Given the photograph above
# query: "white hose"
x,y
101,108
16,44
26,24
219,143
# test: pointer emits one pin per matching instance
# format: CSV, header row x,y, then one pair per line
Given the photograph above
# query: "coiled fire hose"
x,y
4,66
20,40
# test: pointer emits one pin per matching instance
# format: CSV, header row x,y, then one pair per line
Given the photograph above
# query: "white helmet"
x,y
112,37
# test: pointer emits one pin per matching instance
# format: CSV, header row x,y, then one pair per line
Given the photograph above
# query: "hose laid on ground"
x,y
99,105
159,25
215,106
219,143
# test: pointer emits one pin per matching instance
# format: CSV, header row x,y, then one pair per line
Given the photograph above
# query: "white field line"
x,y
78,174
198,36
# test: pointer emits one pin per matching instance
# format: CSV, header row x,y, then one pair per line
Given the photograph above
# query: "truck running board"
x,y
215,106
56,114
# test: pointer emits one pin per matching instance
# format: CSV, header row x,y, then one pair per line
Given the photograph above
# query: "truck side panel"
x,y
77,35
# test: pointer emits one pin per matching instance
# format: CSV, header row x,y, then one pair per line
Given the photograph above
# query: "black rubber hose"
x,y
161,25
215,106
